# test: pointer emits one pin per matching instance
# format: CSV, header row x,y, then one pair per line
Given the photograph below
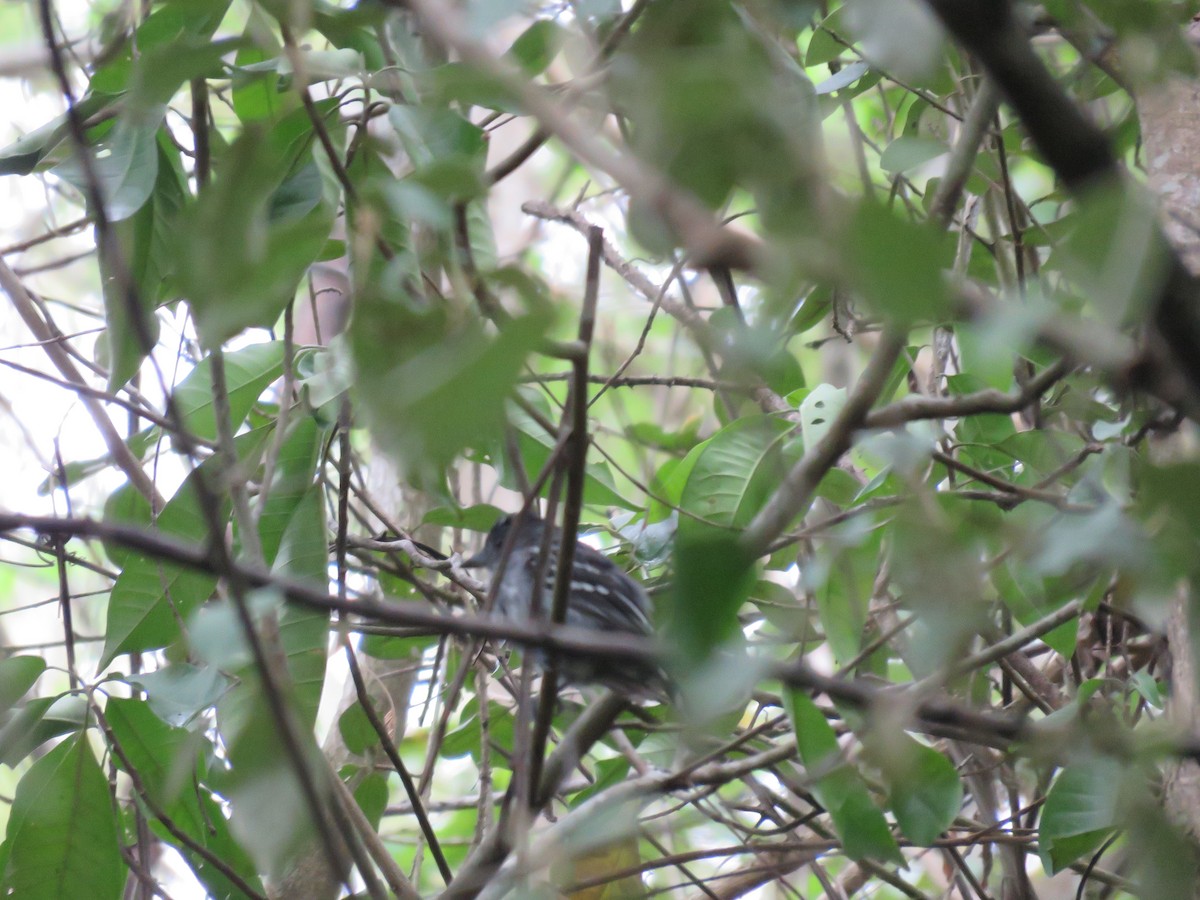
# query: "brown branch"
x,y
393,755
576,469
916,407
120,453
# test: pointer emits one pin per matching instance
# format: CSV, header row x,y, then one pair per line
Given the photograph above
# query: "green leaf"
x,y
459,82
536,445
151,597
126,167
430,387
295,474
822,47
859,824
38,721
240,258
1081,810
268,813
897,265
925,792
169,763
248,371
303,632
37,148
257,94
145,240
713,577
17,676
537,46
736,470
479,517
431,133
62,831
179,692
907,153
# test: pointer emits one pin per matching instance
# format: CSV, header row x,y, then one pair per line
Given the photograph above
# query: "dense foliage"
x,y
847,328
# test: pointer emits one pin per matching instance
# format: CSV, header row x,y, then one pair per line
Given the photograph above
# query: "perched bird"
x,y
601,597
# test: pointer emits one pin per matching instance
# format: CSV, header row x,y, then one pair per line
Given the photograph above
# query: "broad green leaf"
x,y
1081,810
62,834
268,812
822,46
295,474
145,240
907,153
537,46
1116,254
248,371
480,517
47,145
151,597
859,823
430,133
897,265
713,577
737,470
256,94
17,676
237,263
126,166
179,692
168,26
38,721
303,632
924,790
459,82
429,386
169,764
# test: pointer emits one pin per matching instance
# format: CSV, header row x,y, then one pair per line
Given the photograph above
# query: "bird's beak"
x,y
478,561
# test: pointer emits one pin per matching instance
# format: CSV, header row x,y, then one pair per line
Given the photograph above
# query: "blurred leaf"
x,y
166,760
428,386
1116,253
713,577
842,78
925,792
479,517
304,632
25,154
62,834
1081,810
242,249
537,46
822,46
906,153
860,825
257,94
268,813
125,165
431,133
459,82
897,265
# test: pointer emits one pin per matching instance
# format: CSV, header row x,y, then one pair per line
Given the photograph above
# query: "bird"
x,y
601,598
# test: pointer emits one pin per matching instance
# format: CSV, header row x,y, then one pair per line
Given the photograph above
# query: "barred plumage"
x,y
602,598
